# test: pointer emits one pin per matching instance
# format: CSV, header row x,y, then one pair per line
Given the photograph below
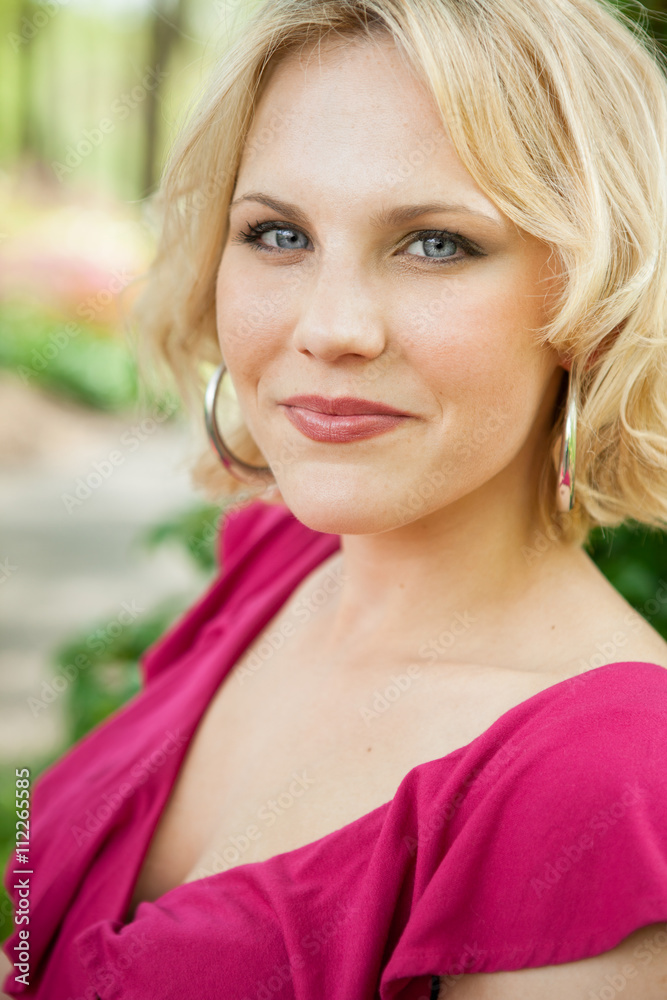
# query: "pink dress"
x,y
542,841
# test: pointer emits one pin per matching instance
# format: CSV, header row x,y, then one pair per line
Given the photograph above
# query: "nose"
x,y
341,315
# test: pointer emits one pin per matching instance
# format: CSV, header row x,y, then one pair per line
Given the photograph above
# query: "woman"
x,y
410,743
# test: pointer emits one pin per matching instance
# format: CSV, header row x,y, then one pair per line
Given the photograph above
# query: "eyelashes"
x,y
252,233
251,237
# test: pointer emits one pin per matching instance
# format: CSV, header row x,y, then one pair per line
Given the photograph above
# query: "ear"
x,y
604,345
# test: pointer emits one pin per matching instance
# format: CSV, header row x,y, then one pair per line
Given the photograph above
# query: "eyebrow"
x,y
379,220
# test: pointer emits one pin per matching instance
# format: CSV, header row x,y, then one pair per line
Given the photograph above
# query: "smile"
x,y
341,428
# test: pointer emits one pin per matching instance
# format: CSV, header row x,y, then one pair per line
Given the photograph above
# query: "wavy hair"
x,y
558,109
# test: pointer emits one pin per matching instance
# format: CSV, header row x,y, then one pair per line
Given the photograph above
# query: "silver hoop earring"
x,y
568,452
243,471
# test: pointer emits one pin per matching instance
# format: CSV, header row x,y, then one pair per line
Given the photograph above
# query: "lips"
x,y
342,405
342,419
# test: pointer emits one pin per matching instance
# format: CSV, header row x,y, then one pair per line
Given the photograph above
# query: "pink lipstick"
x,y
341,419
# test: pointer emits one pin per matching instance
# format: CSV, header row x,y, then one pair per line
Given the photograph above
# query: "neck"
x,y
469,568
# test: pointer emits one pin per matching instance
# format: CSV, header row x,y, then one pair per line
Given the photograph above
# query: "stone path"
x,y
66,565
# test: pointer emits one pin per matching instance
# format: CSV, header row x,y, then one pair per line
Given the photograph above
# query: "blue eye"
x,y
286,236
440,246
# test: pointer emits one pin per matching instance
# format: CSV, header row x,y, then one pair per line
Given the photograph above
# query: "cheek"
x,y
465,338
249,322
483,366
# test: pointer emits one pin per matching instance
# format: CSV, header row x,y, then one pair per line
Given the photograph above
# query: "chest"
x,y
294,746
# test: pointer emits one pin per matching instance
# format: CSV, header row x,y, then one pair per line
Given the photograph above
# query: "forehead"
x,y
351,116
341,90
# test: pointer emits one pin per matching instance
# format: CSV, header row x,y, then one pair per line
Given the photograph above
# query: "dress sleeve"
x,y
238,531
239,528
549,844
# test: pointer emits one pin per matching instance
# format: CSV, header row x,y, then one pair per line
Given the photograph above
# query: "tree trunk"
x,y
165,30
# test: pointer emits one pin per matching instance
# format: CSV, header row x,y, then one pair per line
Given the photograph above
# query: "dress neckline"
x,y
320,553
373,813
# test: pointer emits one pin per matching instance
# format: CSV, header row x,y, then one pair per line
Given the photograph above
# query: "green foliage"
x,y
105,667
72,359
195,530
634,560
104,661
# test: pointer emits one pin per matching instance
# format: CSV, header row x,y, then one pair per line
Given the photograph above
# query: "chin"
x,y
339,502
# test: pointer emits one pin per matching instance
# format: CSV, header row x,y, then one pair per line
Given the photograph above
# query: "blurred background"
x,y
103,542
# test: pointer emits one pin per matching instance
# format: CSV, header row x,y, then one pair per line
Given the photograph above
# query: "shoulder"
x,y
594,736
590,766
546,848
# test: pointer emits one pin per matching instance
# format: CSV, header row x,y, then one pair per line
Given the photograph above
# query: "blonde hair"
x,y
558,109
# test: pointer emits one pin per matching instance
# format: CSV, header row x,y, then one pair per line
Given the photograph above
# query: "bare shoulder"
x,y
636,969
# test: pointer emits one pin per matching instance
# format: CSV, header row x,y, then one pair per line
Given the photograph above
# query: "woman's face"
x,y
381,272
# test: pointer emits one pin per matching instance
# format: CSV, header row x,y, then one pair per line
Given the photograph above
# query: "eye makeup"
x,y
252,234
